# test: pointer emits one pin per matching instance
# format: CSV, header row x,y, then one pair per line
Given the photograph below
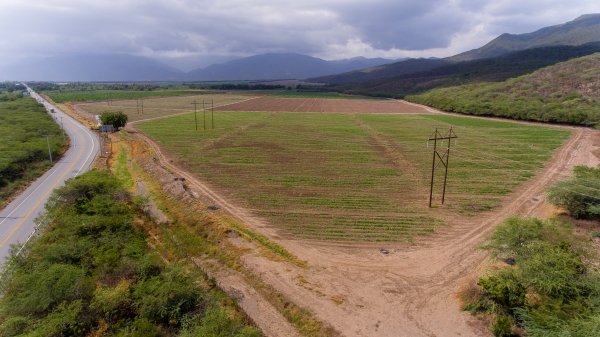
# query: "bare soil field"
x,y
327,105
163,106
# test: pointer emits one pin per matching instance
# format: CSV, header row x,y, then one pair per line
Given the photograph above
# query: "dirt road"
x,y
412,290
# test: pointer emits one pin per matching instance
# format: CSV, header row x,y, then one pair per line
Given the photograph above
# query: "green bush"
x,y
502,327
551,289
116,119
580,196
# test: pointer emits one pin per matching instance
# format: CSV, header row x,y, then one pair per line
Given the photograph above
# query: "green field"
x,y
356,176
311,94
104,95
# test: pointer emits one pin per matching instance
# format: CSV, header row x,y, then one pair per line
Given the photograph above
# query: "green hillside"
x,y
486,70
568,92
386,70
582,30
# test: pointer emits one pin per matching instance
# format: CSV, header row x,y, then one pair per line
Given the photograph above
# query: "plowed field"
x,y
325,105
161,107
362,177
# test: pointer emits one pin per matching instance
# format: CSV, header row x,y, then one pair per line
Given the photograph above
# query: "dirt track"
x,y
411,291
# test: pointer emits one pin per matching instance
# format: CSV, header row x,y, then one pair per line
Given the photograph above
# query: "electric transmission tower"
x,y
195,110
440,159
140,105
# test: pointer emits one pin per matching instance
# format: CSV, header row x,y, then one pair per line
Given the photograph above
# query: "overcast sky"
x,y
190,34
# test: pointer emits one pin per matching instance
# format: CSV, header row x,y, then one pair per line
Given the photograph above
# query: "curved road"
x,y
17,219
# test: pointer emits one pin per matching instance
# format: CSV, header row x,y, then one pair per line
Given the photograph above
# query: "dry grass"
x,y
161,107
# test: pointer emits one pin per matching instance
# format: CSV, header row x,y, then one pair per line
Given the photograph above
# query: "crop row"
x,y
357,164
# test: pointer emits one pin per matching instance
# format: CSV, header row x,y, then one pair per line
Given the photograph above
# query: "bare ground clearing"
x,y
161,106
327,105
411,291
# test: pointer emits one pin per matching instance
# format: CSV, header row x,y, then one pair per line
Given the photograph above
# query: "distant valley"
x,y
129,68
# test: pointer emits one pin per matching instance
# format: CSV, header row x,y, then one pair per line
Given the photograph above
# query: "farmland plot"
x,y
324,105
159,107
356,176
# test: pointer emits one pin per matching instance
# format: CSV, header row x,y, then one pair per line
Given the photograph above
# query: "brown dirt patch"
x,y
327,105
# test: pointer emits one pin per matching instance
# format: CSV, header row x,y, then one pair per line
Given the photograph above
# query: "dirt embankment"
x,y
412,290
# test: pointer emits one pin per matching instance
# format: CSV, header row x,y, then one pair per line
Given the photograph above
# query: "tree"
x,y
116,119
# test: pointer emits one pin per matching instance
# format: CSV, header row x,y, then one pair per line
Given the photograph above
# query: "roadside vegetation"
x,y
9,87
117,119
93,273
565,93
23,148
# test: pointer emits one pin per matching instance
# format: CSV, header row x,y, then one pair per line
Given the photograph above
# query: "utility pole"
x,y
195,118
140,105
440,159
204,110
62,128
48,142
212,112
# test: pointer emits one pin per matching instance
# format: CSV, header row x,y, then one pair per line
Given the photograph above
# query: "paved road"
x,y
17,219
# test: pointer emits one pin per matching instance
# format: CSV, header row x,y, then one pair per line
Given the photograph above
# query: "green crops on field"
x,y
357,176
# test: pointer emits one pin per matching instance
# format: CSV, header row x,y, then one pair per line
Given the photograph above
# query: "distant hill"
x,y
279,66
484,70
567,92
121,67
582,30
383,71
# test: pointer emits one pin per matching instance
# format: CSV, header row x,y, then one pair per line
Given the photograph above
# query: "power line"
x,y
435,137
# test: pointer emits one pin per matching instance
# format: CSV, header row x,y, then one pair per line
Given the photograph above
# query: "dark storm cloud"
x,y
408,25
228,28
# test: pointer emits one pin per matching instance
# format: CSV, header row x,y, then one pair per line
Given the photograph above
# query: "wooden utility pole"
x,y
140,105
440,159
195,117
48,142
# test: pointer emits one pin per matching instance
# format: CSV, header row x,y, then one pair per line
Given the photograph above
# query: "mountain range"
x,y
585,30
129,68
123,68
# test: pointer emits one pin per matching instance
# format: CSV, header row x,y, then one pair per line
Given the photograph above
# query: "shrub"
x,y
116,119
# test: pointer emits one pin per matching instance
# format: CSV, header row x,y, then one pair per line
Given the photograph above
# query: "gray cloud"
x,y
188,29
